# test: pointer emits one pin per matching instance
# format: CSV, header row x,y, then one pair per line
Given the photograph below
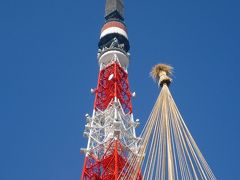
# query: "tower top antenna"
x,y
114,9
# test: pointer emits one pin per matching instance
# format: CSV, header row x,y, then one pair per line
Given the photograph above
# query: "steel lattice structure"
x,y
111,128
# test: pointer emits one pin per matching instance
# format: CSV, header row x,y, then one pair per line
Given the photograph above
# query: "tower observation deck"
x,y
111,127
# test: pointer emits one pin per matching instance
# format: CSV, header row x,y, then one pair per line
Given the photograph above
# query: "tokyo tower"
x,y
111,128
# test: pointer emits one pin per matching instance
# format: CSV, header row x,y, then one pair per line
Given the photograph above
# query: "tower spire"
x,y
114,9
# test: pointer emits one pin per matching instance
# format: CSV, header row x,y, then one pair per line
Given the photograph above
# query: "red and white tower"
x,y
111,128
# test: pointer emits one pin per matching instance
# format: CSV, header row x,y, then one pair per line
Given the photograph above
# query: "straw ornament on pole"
x,y
161,73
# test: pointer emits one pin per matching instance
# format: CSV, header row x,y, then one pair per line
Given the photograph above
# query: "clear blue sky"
x,y
48,65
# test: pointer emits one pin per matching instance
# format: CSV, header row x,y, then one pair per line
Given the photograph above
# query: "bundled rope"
x,y
167,149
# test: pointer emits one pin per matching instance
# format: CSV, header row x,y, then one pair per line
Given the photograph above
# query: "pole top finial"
x,y
161,73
